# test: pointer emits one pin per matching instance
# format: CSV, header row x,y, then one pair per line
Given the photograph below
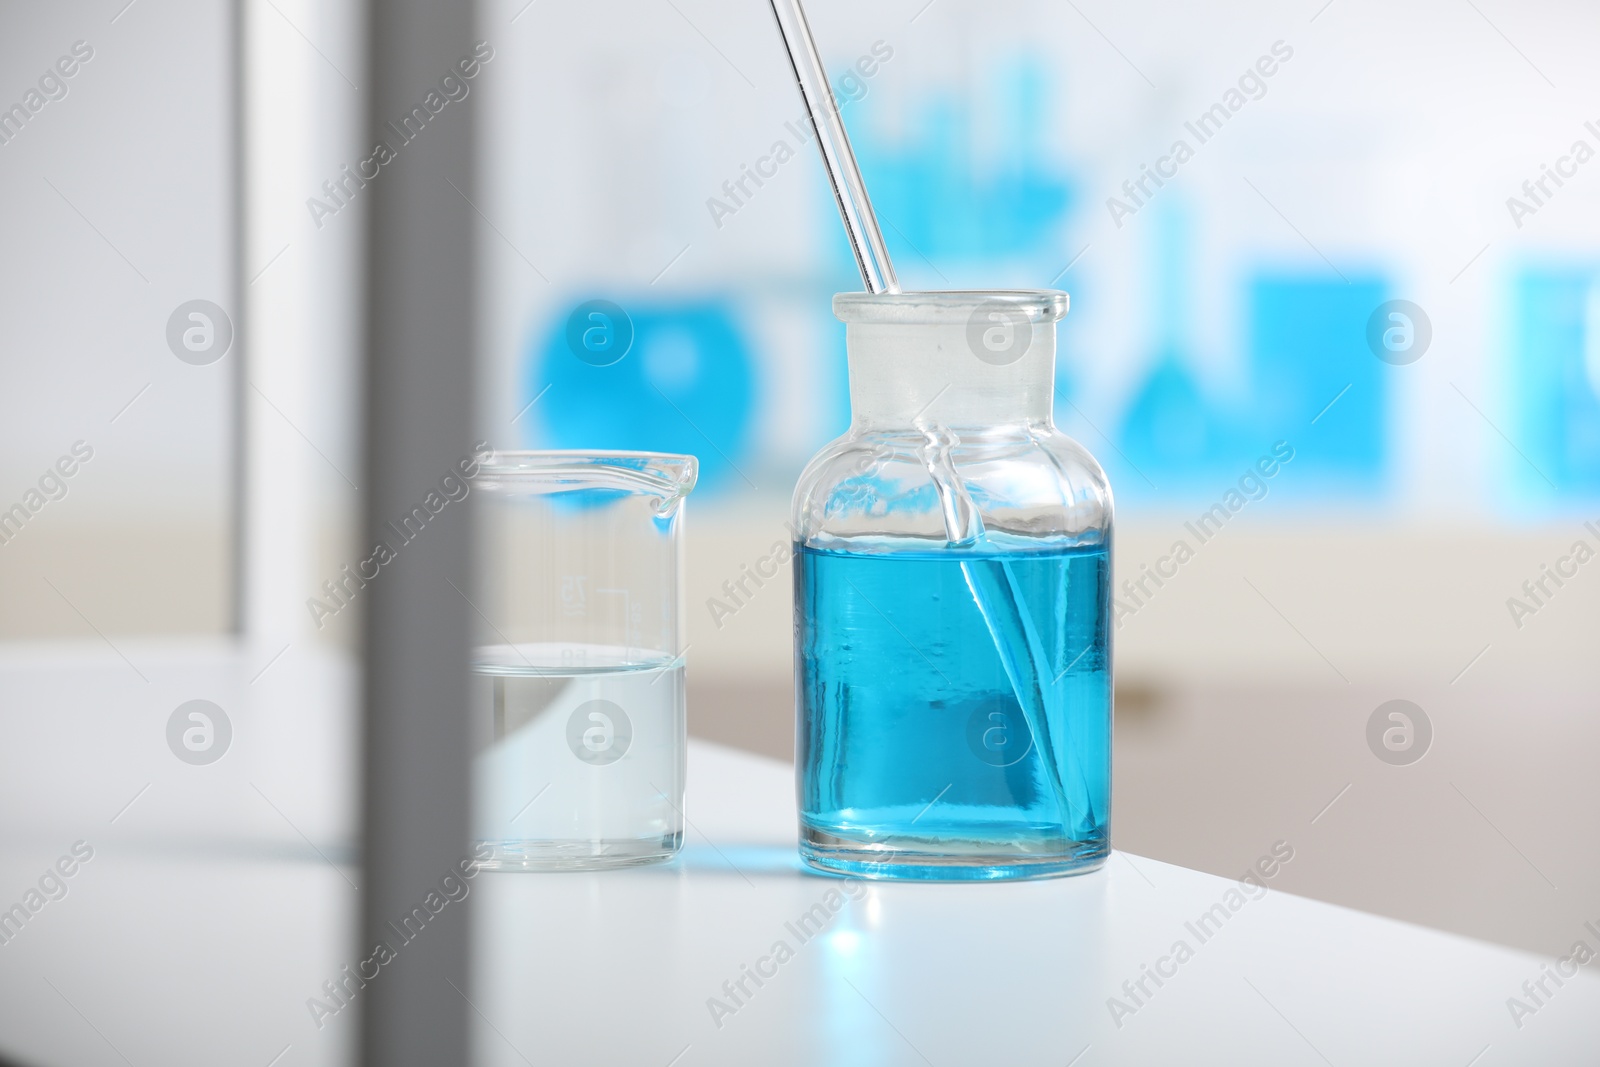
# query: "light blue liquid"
x,y
954,711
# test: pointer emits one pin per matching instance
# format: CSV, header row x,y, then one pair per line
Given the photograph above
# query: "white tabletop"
x,y
220,900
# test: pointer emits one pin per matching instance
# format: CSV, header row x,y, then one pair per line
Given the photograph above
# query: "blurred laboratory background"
x,y
1360,239
1237,197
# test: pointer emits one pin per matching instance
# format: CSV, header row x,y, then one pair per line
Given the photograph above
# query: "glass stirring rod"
x,y
861,225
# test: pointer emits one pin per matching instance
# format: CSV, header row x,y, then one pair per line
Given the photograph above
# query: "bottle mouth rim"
x,y
950,306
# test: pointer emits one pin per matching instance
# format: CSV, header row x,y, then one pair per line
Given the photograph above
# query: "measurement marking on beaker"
x,y
632,617
574,601
1330,804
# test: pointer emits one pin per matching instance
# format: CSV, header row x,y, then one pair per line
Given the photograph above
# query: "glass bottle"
x,y
952,603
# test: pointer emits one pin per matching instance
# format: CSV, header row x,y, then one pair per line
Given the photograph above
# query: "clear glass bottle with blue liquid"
x,y
952,603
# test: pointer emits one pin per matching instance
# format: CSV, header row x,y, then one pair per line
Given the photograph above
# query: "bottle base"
x,y
945,861
578,855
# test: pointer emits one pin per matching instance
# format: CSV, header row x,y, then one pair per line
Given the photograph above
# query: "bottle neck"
x,y
912,376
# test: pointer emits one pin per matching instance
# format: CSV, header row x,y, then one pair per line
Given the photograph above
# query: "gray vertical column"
x,y
418,392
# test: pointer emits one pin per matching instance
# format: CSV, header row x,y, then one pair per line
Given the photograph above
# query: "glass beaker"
x,y
578,700
952,595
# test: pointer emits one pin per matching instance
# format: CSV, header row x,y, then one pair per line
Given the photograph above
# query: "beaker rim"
x,y
946,306
669,475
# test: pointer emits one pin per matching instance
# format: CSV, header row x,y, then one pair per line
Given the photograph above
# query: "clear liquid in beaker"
x,y
584,761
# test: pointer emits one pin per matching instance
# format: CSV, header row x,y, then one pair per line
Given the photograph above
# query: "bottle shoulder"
x,y
1029,481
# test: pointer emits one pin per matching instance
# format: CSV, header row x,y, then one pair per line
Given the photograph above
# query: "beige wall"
x,y
162,575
